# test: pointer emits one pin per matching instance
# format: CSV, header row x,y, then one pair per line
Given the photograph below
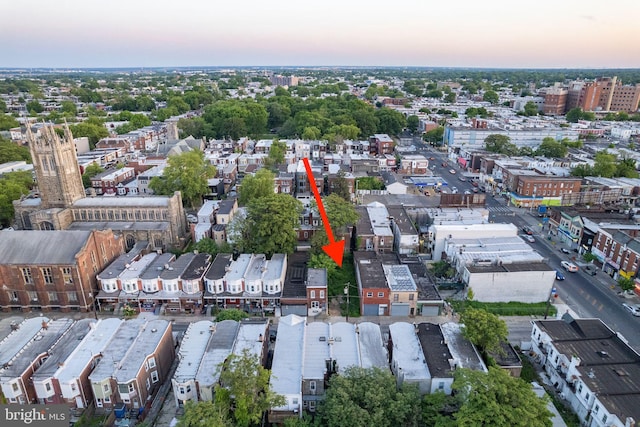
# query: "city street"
x,y
588,296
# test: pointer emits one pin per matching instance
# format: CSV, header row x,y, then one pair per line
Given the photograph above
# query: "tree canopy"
x,y
491,96
497,143
188,173
270,224
11,152
551,148
369,397
13,185
484,329
89,172
255,186
7,122
341,214
498,399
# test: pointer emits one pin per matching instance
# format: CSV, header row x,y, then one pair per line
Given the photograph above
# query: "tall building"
x,y
284,80
61,203
603,94
555,101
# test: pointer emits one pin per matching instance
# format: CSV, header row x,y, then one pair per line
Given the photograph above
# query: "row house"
x,y
428,354
206,346
145,177
105,157
213,218
64,377
353,147
618,252
246,160
23,351
591,367
363,163
222,160
228,174
251,282
331,159
302,185
123,142
305,289
333,182
158,283
381,144
132,366
309,221
54,270
110,182
413,164
284,183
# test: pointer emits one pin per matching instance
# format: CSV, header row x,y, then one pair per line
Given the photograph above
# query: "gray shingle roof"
x,y
41,247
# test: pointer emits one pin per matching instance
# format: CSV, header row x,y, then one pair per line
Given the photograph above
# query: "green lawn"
x,y
507,308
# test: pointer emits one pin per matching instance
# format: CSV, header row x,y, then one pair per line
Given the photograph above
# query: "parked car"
x,y
452,171
462,178
565,251
530,239
527,230
475,189
559,275
591,269
633,309
445,164
192,218
474,183
467,192
569,266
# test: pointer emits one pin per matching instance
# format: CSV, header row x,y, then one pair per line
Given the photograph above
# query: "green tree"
x,y
369,397
491,96
484,329
13,185
245,386
498,399
321,260
3,106
530,109
551,148
231,314
276,153
412,123
626,284
11,152
188,173
501,144
341,186
604,164
582,170
68,107
89,172
34,107
450,97
311,133
204,413
255,186
576,114
93,131
7,122
442,269
208,246
435,136
525,151
194,127
626,168
341,214
270,224
390,121
438,409
369,183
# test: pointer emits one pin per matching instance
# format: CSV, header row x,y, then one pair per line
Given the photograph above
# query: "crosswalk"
x,y
500,211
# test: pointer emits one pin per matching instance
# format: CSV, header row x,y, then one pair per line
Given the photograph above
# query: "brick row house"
x,y
54,270
618,252
154,282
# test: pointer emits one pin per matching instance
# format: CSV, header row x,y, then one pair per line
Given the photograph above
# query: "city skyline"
x,y
491,34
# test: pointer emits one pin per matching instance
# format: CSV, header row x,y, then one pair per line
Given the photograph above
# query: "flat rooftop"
x,y
194,343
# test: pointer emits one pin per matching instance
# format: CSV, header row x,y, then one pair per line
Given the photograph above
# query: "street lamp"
x,y
346,292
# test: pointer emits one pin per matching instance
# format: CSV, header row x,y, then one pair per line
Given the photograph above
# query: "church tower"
x,y
56,165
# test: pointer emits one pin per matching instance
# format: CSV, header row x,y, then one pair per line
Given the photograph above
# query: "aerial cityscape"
x,y
320,215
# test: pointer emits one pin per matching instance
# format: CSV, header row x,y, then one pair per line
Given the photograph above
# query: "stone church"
x,y
62,204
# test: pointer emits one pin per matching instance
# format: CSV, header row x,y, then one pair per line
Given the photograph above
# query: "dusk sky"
x,y
159,33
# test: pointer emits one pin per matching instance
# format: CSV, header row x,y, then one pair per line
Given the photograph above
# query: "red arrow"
x,y
334,249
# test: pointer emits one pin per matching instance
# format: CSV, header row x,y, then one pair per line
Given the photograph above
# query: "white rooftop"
x,y
344,345
316,350
17,339
408,353
93,343
136,268
115,349
379,216
399,278
238,267
194,344
286,369
461,349
250,338
218,349
372,350
145,344
275,266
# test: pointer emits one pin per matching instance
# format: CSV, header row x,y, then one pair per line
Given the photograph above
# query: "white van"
x,y
570,267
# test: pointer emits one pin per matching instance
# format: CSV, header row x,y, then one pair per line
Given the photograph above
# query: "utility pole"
x,y
346,292
551,296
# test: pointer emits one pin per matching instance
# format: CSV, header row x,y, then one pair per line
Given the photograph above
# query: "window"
x,y
105,387
14,386
152,362
26,275
312,386
148,383
154,376
396,297
131,386
411,297
322,294
66,275
53,296
380,294
370,294
47,274
47,386
313,294
604,418
72,296
441,385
